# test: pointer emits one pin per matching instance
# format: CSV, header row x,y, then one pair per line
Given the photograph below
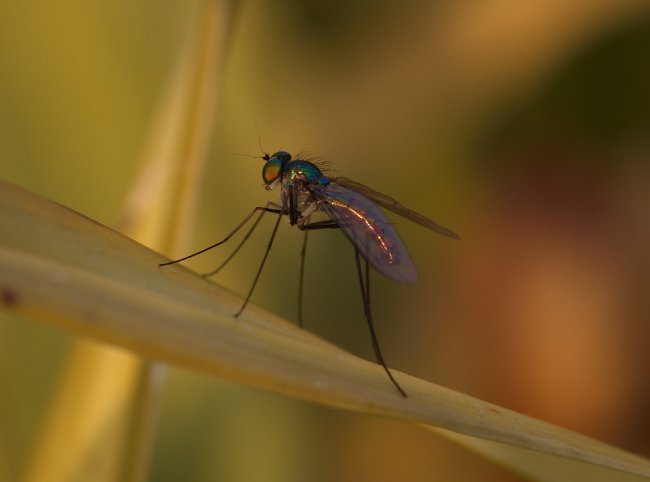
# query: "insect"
x,y
348,206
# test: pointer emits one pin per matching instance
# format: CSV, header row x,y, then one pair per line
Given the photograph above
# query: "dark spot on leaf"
x,y
8,297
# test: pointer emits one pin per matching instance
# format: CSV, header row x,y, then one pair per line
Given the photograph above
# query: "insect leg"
x,y
241,225
326,224
366,308
301,278
367,281
243,241
280,213
364,284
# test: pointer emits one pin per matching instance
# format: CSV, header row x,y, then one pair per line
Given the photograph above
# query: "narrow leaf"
x,y
61,268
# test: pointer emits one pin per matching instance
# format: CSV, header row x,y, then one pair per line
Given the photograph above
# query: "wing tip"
x,y
446,232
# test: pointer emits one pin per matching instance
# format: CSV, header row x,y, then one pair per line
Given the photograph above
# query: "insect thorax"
x,y
302,178
304,171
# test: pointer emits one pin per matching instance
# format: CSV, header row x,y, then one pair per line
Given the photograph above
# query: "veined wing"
x,y
367,227
390,203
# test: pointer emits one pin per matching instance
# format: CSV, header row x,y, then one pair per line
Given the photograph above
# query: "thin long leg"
x,y
266,254
366,309
301,278
367,281
246,219
325,224
242,242
365,287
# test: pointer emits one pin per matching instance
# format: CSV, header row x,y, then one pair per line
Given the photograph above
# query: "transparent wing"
x,y
366,225
390,203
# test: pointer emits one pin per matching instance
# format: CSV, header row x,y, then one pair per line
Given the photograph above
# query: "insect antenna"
x,y
248,155
259,142
265,155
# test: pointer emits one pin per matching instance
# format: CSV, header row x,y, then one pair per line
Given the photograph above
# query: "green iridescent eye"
x,y
271,170
274,166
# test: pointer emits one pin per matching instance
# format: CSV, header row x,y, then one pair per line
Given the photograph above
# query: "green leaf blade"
x,y
64,269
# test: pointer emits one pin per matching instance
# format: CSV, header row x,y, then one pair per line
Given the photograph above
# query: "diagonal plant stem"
x,y
115,420
192,140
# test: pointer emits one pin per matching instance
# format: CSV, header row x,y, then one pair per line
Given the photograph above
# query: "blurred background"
x,y
523,126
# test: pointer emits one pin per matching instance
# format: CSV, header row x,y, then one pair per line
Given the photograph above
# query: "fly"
x,y
349,206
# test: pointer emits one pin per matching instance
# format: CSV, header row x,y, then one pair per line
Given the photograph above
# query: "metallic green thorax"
x,y
305,171
280,166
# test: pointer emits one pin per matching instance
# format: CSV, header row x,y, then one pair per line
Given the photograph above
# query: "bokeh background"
x,y
524,126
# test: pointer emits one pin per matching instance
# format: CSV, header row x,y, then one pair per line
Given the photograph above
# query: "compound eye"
x,y
271,170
